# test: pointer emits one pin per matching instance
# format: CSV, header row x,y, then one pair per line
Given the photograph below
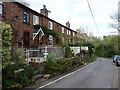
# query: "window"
x,y
50,40
35,20
26,17
50,25
62,29
73,34
1,8
67,32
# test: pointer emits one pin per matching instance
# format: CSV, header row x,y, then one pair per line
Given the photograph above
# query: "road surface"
x,y
100,74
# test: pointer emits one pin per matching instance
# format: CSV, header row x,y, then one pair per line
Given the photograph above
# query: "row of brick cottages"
x,y
23,21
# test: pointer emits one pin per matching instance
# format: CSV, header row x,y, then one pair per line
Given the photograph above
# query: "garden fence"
x,y
39,53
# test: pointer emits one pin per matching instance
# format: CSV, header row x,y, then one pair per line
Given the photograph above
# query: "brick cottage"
x,y
23,20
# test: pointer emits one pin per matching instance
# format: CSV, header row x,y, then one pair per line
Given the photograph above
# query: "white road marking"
x,y
63,76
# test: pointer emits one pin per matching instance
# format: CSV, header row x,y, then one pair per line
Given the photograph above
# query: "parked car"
x,y
117,62
115,57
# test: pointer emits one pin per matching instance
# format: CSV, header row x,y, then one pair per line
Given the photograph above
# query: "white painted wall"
x,y
76,50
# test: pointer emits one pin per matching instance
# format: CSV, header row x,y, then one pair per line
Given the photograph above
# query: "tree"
x,y
90,47
115,19
116,25
107,47
65,39
6,44
81,36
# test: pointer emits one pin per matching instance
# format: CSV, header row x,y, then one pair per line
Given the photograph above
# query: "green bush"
x,y
58,66
51,67
89,60
25,77
6,44
8,83
19,79
68,52
55,67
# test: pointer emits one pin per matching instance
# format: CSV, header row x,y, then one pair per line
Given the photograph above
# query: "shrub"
x,y
6,44
58,66
68,52
55,67
12,79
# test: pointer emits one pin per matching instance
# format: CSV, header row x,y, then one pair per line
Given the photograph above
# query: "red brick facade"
x,y
13,15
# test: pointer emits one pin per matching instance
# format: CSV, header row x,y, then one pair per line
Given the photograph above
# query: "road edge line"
x,y
63,76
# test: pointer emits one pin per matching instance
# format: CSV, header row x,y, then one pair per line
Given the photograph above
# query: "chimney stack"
x,y
68,24
44,11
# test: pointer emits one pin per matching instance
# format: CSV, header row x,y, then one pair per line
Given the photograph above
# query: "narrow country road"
x,y
100,74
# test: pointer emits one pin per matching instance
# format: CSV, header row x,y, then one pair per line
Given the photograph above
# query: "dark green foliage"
x,y
29,72
108,47
89,60
90,47
118,44
58,66
104,50
8,83
68,52
55,67
37,26
13,79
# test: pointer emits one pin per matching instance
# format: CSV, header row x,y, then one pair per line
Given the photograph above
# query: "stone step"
x,y
37,77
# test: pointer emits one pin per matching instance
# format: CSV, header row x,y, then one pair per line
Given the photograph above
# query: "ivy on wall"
x,y
46,30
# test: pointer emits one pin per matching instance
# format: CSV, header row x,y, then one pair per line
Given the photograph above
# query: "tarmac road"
x,y
100,74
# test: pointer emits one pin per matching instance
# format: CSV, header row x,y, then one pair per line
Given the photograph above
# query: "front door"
x,y
26,40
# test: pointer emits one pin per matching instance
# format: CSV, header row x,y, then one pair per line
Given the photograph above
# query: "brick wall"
x,y
13,15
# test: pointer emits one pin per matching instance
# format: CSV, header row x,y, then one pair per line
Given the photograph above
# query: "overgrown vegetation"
x,y
15,76
108,47
15,71
58,66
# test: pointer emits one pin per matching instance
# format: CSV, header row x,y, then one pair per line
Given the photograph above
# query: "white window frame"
x,y
1,8
28,17
35,20
67,32
62,29
50,25
73,33
50,40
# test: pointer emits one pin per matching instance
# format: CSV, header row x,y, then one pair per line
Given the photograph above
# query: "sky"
x,y
78,14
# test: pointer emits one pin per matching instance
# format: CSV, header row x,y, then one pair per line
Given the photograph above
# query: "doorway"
x,y
26,39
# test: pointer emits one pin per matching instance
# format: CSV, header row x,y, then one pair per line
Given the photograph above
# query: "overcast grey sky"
x,y
78,13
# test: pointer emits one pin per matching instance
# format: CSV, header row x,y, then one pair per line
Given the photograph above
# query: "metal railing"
x,y
40,53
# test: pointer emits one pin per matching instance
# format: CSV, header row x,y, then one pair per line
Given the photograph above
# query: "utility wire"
x,y
93,16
